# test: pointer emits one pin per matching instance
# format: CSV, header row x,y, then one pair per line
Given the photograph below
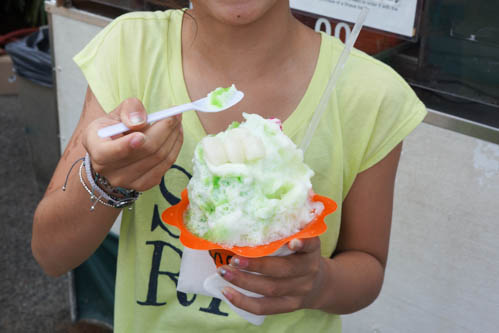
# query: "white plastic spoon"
x,y
203,105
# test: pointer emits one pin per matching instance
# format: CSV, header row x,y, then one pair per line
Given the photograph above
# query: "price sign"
x,y
395,16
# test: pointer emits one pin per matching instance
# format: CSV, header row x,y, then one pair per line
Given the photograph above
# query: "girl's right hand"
x,y
139,158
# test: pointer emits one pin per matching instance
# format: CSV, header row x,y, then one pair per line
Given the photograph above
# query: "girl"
x,y
143,62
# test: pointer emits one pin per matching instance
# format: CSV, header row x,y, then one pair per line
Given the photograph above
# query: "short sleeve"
x,y
377,108
100,63
399,112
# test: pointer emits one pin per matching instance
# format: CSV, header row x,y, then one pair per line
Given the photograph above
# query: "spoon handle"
x,y
119,128
112,130
169,112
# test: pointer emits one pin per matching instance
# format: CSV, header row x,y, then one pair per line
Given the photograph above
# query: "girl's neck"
x,y
259,46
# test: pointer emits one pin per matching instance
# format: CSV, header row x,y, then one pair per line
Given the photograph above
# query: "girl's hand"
x,y
137,159
287,283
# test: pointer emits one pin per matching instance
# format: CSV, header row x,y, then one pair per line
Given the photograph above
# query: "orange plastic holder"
x,y
174,216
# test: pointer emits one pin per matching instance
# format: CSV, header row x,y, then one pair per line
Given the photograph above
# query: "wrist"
x,y
106,193
116,192
319,299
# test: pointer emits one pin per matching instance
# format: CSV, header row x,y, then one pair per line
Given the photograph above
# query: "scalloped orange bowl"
x,y
174,216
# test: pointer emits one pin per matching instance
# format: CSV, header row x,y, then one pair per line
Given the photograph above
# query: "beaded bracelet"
x,y
115,191
128,198
93,198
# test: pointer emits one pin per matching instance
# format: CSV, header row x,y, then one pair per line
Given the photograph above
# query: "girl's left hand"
x,y
287,283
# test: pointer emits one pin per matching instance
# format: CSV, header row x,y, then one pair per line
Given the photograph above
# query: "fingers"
x,y
155,174
265,285
287,283
107,150
298,264
276,267
262,306
147,171
305,245
131,147
139,158
132,113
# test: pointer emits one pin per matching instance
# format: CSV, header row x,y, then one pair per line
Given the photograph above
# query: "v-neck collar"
x,y
296,120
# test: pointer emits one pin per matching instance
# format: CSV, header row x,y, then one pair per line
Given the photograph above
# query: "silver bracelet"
x,y
112,201
93,198
90,178
103,198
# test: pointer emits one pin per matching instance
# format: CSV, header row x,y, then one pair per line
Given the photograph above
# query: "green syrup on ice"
x,y
216,99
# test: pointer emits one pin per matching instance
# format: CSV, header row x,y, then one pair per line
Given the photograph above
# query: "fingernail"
x,y
136,118
295,244
239,262
227,293
225,273
137,140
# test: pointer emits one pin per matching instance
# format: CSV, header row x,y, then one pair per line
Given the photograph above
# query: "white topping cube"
x,y
253,148
214,150
234,147
240,133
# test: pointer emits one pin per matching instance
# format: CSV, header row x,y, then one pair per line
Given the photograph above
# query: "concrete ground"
x,y
30,301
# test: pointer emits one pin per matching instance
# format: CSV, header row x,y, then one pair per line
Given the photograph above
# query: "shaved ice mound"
x,y
250,186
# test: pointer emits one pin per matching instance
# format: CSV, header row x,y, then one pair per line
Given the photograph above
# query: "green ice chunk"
x,y
280,192
188,215
216,181
218,234
218,97
209,207
268,130
231,180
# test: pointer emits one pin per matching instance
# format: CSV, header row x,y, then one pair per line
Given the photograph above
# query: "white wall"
x,y
443,269
69,37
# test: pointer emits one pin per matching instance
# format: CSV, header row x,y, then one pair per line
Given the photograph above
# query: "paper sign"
x,y
396,16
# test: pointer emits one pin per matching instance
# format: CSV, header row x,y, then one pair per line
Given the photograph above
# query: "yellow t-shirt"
x,y
139,55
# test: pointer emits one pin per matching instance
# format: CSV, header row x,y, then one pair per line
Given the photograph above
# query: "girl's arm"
x,y
65,231
355,274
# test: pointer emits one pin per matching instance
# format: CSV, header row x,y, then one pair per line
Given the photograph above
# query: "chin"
x,y
236,12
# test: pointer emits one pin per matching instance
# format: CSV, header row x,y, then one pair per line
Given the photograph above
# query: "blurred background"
x,y
444,254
